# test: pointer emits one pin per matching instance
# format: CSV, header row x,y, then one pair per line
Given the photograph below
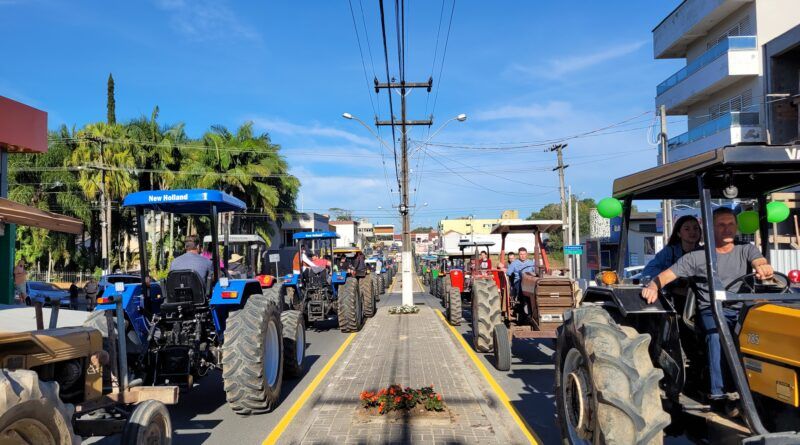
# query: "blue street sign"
x,y
573,250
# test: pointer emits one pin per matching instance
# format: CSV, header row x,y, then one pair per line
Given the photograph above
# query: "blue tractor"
x,y
319,293
198,326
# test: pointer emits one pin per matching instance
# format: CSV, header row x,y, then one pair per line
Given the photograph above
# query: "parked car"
x,y
39,291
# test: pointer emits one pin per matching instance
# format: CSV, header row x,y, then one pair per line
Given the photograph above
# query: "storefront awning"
x,y
16,213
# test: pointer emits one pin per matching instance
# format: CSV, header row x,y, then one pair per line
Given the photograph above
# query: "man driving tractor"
x,y
733,261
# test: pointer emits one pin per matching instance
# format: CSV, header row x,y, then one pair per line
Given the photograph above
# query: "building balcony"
x,y
730,128
691,20
723,64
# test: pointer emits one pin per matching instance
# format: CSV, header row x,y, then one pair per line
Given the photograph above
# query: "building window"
x,y
742,102
743,28
647,227
649,245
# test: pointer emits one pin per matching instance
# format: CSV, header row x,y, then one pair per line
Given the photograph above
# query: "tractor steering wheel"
x,y
749,280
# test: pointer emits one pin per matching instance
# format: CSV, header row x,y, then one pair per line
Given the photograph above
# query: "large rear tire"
x,y
454,306
485,313
374,280
446,285
367,297
382,283
606,386
349,312
252,357
31,412
294,343
149,424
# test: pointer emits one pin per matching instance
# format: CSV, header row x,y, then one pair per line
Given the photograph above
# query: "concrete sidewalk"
x,y
410,350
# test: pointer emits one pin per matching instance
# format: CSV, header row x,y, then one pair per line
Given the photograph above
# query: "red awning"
x,y
16,213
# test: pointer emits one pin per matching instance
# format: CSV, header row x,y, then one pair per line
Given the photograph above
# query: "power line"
x,y
388,80
444,55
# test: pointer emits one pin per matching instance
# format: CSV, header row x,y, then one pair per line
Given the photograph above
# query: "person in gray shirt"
x,y
192,260
733,261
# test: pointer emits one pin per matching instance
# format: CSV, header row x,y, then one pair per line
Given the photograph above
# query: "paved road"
x,y
529,384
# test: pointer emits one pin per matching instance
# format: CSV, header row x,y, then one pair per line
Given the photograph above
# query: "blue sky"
x,y
522,72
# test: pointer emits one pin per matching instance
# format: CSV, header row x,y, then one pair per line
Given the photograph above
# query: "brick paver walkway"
x,y
410,350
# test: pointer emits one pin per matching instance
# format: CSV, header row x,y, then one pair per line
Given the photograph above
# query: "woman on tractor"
x,y
484,262
685,238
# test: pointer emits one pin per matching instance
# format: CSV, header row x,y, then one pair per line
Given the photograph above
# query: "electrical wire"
x,y
388,82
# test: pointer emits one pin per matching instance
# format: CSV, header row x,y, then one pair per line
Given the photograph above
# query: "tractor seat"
x,y
184,290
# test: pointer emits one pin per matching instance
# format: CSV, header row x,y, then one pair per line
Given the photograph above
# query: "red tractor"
x,y
535,309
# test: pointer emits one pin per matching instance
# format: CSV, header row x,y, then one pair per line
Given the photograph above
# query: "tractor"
x,y
628,371
367,285
457,282
379,279
318,295
535,309
232,325
52,389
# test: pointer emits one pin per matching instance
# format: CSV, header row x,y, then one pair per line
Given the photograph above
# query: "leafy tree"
x,y
553,211
427,229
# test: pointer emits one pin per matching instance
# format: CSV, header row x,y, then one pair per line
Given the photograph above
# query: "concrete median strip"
x,y
276,432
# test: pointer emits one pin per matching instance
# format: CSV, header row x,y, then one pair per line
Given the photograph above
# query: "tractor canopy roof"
x,y
754,170
531,226
184,201
342,250
315,235
464,244
238,238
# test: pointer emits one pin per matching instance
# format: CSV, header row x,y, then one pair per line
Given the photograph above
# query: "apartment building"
x,y
722,89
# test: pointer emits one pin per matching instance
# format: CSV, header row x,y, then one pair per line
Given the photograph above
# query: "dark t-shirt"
x,y
730,266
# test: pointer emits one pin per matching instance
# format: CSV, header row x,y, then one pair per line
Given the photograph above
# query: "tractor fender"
x,y
133,306
627,299
339,277
291,280
457,279
236,293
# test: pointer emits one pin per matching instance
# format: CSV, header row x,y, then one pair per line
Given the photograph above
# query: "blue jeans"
x,y
716,360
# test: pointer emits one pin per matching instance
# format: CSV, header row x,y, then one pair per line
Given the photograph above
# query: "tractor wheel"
x,y
294,343
454,306
485,313
374,284
149,424
502,348
381,284
31,412
252,357
606,386
446,285
367,297
350,315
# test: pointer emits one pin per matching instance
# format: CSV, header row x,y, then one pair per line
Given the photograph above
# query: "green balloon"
x,y
748,222
777,212
609,207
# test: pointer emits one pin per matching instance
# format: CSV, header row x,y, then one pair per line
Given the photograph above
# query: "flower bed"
x,y
397,398
405,309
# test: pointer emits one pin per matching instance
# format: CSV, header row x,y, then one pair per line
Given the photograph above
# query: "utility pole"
x,y
558,148
666,205
569,229
577,238
407,260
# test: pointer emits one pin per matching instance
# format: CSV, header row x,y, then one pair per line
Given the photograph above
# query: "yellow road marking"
x,y
523,425
298,404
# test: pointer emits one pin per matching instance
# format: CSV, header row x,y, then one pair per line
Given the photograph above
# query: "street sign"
x,y
274,258
573,250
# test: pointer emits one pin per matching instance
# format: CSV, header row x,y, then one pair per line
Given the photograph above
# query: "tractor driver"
x,y
516,268
192,260
733,261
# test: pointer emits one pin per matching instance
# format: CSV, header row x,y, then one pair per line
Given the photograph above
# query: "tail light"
x,y
608,277
230,294
105,300
794,276
265,280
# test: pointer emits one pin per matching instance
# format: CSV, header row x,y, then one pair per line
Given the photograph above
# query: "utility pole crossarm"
x,y
425,122
382,85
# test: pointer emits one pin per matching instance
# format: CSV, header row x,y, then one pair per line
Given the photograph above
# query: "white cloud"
x,y
287,128
203,20
557,68
553,110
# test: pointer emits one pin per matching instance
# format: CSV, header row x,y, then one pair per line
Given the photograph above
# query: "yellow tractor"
x,y
628,372
56,384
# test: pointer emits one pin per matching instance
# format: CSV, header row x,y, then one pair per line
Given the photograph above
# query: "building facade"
x,y
384,233
281,241
722,89
348,233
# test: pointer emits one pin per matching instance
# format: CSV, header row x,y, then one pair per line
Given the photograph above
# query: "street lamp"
x,y
461,118
349,116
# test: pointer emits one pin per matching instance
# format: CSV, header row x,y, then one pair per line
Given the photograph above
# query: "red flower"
x,y
439,397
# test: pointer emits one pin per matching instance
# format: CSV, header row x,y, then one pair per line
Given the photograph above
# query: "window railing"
x,y
734,43
726,121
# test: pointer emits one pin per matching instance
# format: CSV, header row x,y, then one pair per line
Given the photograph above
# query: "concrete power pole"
x,y
407,260
565,227
666,204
